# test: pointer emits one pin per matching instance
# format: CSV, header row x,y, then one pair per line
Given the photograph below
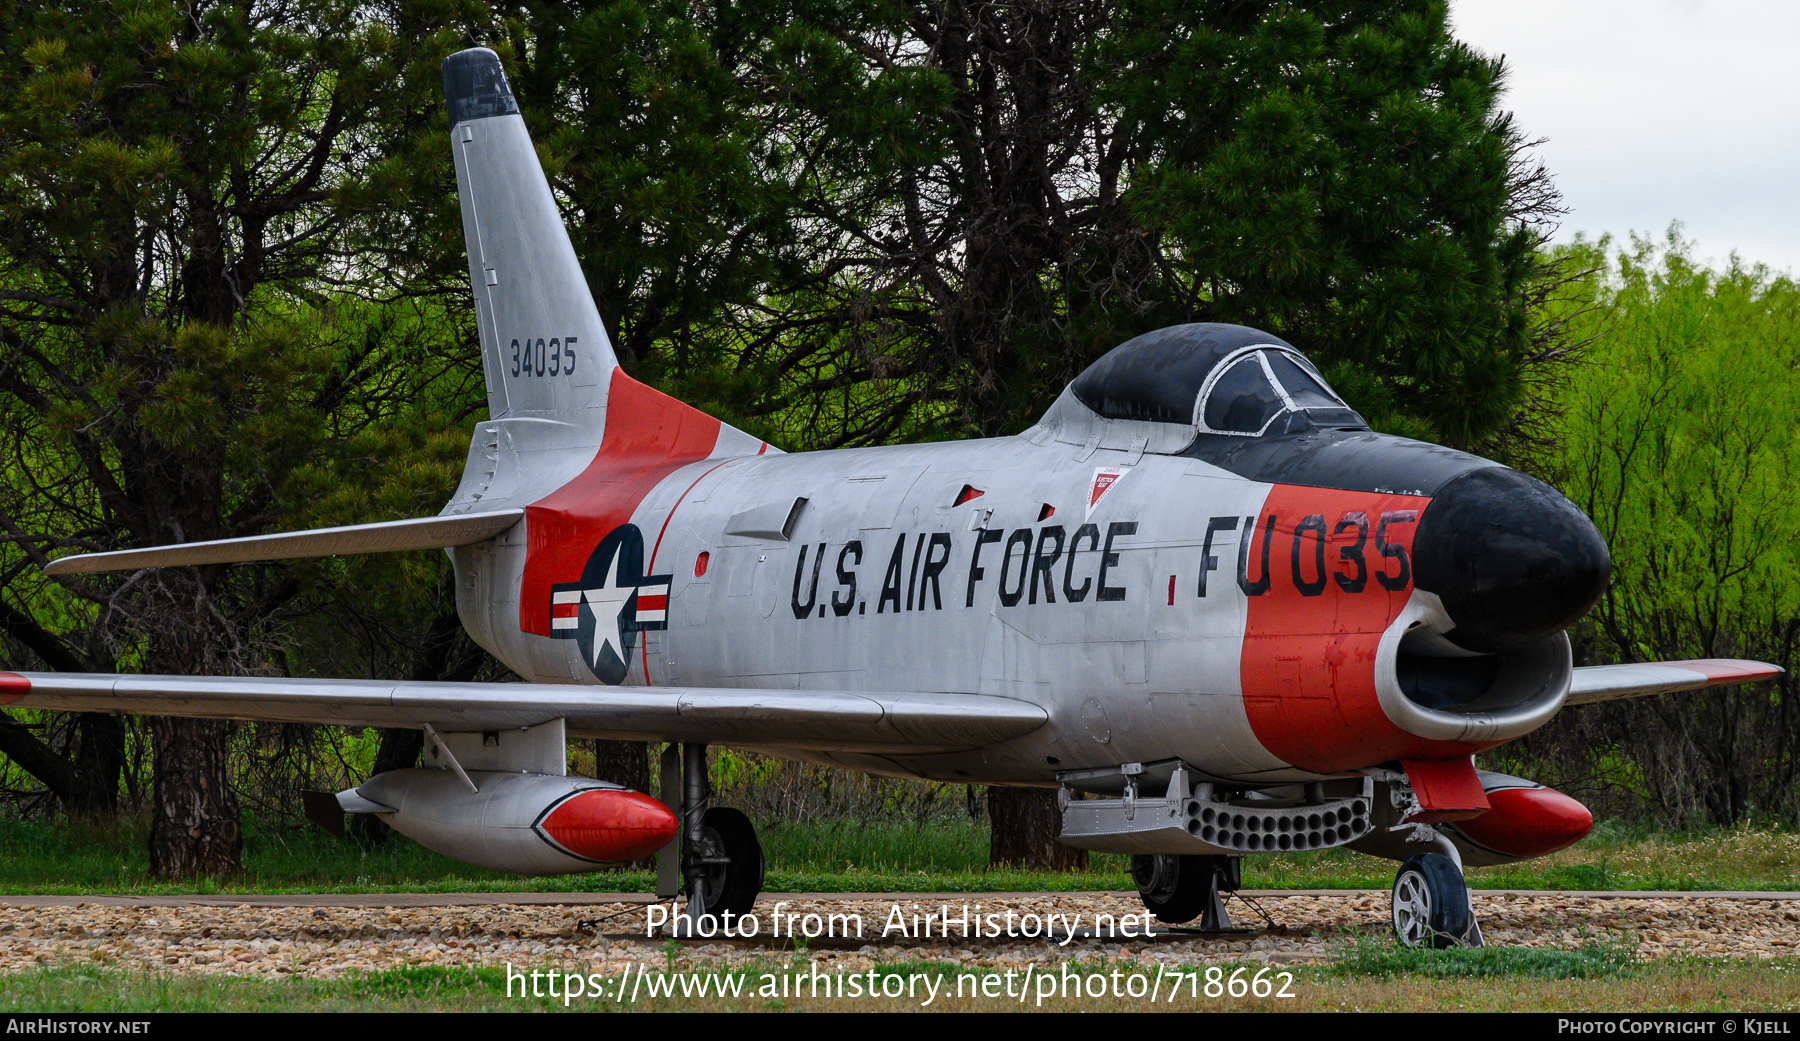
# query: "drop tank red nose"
x,y
609,824
1528,822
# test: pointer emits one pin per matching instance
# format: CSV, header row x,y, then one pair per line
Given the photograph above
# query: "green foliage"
x,y
677,203
835,856
190,353
1597,959
852,223
1677,437
1341,173
1679,441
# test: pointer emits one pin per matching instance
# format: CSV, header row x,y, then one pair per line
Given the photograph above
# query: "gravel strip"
x,y
325,942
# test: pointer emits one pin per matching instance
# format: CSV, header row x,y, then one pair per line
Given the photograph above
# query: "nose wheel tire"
x,y
728,870
1431,903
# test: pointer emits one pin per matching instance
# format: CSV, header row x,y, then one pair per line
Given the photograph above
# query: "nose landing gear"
x,y
1431,904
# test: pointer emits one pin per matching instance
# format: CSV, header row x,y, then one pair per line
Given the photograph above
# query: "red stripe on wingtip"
x,y
1721,671
13,687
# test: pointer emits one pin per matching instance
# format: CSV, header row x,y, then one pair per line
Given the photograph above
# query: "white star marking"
x,y
608,603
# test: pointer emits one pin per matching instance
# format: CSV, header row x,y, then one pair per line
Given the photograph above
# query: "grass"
x,y
1363,978
943,856
1384,959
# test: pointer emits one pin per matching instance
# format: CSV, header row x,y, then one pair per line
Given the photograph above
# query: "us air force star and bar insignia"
x,y
613,602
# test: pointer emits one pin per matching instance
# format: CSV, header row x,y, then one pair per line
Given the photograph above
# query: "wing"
x,y
800,719
1610,682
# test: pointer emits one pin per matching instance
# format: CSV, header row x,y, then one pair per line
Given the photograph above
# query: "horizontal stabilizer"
x,y
796,719
381,537
1611,682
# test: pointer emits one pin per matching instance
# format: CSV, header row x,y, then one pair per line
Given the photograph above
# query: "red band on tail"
x,y
649,435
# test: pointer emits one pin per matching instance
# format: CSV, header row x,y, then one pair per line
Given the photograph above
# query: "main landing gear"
x,y
726,865
719,859
1177,887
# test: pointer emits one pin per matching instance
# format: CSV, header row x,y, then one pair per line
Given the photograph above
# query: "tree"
x,y
1343,173
1678,439
982,198
178,184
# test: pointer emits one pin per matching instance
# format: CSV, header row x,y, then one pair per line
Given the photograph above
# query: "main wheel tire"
x,y
1431,903
734,885
1174,887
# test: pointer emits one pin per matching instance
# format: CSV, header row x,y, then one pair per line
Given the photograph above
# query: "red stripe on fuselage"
x,y
649,435
1308,665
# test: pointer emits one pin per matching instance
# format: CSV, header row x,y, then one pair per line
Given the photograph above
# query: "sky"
x,y
1659,110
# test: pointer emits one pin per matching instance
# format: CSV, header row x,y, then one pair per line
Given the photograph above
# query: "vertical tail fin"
x,y
556,394
543,348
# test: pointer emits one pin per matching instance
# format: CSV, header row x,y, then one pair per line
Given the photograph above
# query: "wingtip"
x,y
13,687
1721,672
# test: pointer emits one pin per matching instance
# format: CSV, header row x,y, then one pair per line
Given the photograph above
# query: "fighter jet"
x,y
1200,597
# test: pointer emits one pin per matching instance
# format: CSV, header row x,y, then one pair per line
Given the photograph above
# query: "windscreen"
x,y
1306,390
1243,399
1263,384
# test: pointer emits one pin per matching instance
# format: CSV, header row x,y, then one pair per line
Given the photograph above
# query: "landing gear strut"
x,y
1431,905
721,862
1177,887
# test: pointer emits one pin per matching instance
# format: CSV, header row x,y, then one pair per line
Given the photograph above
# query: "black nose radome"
x,y
1511,558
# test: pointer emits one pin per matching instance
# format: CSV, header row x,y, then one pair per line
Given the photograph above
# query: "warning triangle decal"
x,y
1105,477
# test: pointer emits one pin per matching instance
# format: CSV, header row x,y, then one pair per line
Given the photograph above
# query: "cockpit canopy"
x,y
1223,379
1162,390
1255,388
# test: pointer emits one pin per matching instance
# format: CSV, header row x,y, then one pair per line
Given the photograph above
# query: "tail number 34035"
x,y
541,357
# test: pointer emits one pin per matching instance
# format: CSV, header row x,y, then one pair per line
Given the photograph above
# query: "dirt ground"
x,y
326,937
